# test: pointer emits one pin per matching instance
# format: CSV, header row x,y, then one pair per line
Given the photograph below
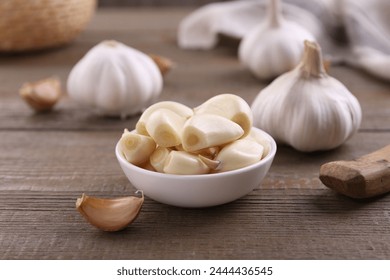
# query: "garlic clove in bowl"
x,y
115,80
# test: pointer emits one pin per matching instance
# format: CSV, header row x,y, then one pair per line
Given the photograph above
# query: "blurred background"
x,y
112,3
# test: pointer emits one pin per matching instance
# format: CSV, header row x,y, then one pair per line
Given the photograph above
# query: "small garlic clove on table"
x,y
42,95
110,214
163,63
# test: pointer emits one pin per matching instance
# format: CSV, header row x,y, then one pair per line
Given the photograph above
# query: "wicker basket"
x,y
27,25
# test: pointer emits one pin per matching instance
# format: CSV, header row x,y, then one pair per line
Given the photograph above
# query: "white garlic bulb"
x,y
306,108
273,47
115,80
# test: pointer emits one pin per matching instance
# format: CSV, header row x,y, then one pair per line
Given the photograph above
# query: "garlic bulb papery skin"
x,y
115,79
306,108
273,47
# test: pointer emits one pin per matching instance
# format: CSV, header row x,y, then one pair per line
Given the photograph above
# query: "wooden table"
x,y
48,160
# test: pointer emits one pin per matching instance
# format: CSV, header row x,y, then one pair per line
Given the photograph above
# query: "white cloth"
x,y
355,32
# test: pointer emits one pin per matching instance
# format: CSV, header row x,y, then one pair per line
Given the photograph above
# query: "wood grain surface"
x,y
48,160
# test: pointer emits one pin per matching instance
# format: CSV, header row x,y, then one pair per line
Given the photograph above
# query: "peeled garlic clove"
x,y
41,95
208,152
258,136
148,166
165,127
163,63
238,154
183,163
136,148
175,107
206,130
230,106
110,214
211,163
275,46
158,157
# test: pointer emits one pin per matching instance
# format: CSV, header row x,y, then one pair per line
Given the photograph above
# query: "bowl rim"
x,y
263,161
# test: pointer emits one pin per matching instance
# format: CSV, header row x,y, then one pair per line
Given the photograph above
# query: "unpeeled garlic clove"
x,y
183,163
136,148
175,107
230,106
207,130
41,95
163,63
165,127
240,153
110,214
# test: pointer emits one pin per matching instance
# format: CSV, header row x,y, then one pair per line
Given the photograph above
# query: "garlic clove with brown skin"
x,y
110,214
163,63
42,95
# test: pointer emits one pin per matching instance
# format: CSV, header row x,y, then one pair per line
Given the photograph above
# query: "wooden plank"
x,y
268,224
85,161
48,160
188,83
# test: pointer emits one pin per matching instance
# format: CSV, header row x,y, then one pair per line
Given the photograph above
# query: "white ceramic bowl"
x,y
198,190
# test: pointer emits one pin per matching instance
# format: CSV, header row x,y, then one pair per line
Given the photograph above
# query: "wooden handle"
x,y
364,177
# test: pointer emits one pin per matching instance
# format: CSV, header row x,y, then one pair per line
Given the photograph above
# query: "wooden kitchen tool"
x,y
367,176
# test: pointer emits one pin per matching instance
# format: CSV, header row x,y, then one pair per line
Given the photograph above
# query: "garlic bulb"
x,y
273,47
306,108
115,80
